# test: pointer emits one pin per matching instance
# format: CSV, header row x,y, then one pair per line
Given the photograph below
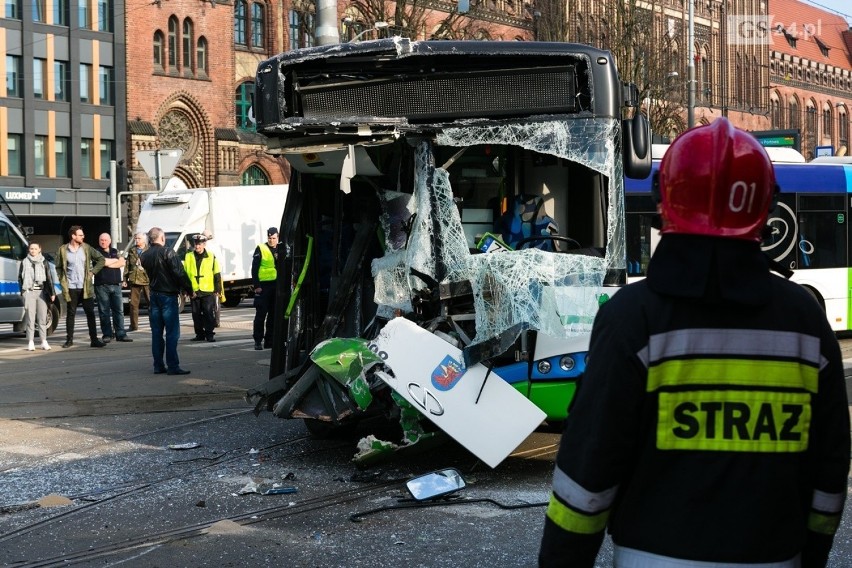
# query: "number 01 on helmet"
x,y
716,181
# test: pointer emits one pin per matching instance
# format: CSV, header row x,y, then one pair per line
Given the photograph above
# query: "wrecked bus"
x,y
456,210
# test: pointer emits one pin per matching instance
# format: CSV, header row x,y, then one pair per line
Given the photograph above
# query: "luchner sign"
x,y
29,195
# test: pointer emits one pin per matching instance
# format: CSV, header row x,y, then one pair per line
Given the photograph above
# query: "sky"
x,y
842,6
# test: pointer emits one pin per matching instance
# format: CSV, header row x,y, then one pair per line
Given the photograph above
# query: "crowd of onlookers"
x,y
90,276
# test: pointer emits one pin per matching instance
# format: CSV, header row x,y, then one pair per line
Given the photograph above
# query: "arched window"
x,y
201,56
188,42
173,42
240,23
301,29
842,127
158,50
775,110
811,125
254,175
826,120
795,119
704,91
739,93
242,103
257,25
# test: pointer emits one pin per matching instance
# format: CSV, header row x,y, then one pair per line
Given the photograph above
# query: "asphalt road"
x,y
92,473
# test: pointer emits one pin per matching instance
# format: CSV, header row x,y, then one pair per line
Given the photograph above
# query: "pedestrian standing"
x,y
108,292
136,278
711,427
76,266
264,274
203,270
37,288
168,280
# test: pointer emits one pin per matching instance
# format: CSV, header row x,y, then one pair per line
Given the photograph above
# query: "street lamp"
x,y
690,110
376,27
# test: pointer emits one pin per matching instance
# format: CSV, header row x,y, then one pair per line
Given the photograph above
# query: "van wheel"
x,y
52,318
232,300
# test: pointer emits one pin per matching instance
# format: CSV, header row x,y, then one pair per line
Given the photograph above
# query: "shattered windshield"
x,y
542,288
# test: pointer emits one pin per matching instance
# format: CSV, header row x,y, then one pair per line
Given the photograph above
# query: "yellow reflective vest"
x,y
266,272
202,280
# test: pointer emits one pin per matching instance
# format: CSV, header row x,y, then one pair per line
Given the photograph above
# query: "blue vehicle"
x,y
808,231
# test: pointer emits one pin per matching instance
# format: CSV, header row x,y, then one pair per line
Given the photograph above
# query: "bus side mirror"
x,y
636,146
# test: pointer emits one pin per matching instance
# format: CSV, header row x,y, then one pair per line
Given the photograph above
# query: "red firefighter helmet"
x,y
716,180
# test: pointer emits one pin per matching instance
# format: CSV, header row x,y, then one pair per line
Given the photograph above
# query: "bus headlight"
x,y
566,363
544,367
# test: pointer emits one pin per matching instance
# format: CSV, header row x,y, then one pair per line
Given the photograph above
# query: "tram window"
x,y
822,240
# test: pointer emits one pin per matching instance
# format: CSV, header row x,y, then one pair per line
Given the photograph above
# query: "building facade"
x,y
190,76
810,68
115,77
62,112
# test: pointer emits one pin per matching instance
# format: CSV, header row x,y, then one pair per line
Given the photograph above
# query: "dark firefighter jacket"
x,y
712,424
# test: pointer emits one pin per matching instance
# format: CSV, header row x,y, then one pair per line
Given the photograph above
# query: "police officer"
x,y
263,274
712,424
203,270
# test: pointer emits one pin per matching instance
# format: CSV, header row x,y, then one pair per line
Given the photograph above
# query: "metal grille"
x,y
449,96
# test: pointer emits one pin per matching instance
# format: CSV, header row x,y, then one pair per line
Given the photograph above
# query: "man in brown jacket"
x,y
136,278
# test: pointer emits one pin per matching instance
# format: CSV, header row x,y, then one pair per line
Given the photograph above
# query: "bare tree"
x,y
412,18
550,20
641,41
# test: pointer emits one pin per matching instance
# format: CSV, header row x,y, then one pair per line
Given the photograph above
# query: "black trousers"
x,y
204,316
76,295
264,315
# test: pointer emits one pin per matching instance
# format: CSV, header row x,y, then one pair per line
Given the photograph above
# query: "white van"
x,y
13,249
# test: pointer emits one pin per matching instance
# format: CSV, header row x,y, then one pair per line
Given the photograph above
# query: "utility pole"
x,y
690,111
113,203
327,31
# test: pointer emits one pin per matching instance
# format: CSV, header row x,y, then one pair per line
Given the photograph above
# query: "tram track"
x,y
194,530
139,486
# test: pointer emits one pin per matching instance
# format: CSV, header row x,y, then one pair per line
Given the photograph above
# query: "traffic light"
x,y
120,176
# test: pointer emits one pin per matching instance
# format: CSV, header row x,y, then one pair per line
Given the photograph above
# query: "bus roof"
x,y
791,177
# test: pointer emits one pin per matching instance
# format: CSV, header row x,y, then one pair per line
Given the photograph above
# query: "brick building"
x,y
113,77
190,77
810,65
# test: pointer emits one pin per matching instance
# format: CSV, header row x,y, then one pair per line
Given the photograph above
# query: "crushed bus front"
x,y
442,262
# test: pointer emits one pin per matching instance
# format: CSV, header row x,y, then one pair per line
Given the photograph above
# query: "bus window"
x,y
640,233
822,240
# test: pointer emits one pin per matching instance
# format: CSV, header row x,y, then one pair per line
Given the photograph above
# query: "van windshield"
x,y
171,239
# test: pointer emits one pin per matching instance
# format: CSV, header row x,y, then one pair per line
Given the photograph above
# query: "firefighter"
x,y
711,427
